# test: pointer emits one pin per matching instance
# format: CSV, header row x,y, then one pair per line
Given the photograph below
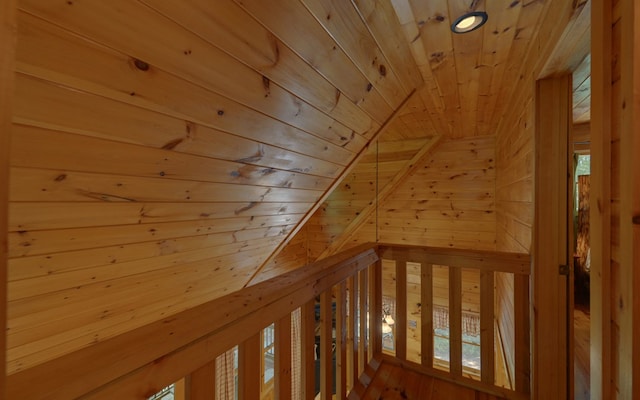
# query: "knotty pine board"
x,y
183,53
445,194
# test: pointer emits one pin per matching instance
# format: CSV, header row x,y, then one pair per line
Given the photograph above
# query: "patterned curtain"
x,y
225,376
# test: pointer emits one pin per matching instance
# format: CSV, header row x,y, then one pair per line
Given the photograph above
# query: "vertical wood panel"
x,y
371,302
455,320
7,66
308,363
629,172
600,200
326,364
487,350
426,283
179,392
201,383
283,358
376,312
401,310
249,361
352,323
363,346
550,246
341,341
522,333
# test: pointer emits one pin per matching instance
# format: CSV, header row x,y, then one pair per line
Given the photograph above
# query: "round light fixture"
x,y
469,22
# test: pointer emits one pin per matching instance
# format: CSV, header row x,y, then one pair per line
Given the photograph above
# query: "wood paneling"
x,y
173,149
468,78
7,65
385,164
614,371
394,382
380,171
447,201
294,255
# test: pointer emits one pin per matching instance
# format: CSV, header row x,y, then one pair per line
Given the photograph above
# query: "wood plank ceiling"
x,y
163,150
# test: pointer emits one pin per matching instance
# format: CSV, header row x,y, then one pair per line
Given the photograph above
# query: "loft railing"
x,y
318,332
465,281
387,311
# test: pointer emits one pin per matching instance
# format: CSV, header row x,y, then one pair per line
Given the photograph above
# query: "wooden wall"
x,y
162,151
515,147
384,167
294,255
615,241
447,201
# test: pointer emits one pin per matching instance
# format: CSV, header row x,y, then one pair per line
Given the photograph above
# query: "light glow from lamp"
x,y
469,22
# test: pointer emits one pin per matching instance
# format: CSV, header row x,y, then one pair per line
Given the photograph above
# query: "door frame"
x,y
550,249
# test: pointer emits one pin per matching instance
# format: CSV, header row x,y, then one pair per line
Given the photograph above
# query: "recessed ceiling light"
x,y
469,22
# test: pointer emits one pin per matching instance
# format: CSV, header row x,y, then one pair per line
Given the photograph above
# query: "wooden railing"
x,y
480,269
333,310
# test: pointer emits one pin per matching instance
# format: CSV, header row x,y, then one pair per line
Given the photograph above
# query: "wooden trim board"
x,y
8,35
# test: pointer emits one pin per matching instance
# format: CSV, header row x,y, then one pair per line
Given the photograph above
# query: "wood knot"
x,y
141,65
383,70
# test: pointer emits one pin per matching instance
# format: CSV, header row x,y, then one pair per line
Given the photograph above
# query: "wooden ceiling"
x,y
469,78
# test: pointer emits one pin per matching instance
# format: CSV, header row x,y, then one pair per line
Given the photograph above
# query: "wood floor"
x,y
581,370
394,382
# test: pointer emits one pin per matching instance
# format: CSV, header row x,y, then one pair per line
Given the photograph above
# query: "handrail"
x,y
185,341
517,263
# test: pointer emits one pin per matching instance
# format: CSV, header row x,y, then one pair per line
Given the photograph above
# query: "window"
x,y
166,393
268,351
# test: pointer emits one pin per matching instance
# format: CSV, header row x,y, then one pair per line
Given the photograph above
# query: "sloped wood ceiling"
x,y
469,78
162,150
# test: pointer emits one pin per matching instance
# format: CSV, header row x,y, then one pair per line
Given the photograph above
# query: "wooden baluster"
x,y
401,310
487,353
341,341
353,325
371,305
521,332
249,380
180,390
376,312
326,354
426,283
362,323
455,320
201,383
282,366
308,359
